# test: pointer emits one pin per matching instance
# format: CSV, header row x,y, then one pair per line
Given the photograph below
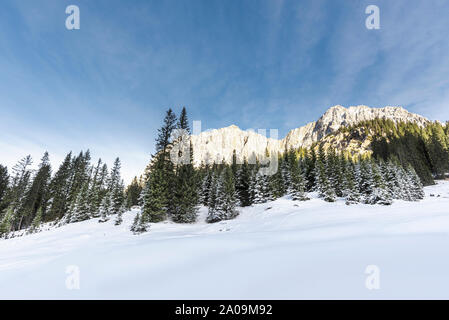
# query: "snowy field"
x,y
307,250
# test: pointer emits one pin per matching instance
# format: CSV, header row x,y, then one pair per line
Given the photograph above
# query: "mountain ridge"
x,y
219,144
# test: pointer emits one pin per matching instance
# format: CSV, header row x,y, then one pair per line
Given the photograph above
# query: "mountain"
x,y
219,144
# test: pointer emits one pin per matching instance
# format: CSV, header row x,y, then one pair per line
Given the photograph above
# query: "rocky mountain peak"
x,y
219,144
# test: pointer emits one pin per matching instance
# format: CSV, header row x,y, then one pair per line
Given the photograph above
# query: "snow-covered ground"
x,y
303,250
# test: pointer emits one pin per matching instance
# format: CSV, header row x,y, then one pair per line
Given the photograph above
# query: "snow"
x,y
295,250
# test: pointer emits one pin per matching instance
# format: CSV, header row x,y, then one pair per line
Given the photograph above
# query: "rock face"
x,y
339,116
217,145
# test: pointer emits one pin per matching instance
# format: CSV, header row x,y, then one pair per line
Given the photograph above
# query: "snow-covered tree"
x,y
105,208
226,201
298,183
81,207
119,218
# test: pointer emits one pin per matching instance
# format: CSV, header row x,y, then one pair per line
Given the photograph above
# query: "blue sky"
x,y
254,63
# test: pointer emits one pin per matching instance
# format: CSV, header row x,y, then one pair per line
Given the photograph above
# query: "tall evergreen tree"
x,y
298,183
60,190
183,122
226,201
185,197
242,184
37,194
81,206
213,201
133,192
4,185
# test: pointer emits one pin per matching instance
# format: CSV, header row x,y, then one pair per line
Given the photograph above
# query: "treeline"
x,y
172,188
300,172
425,148
175,191
77,191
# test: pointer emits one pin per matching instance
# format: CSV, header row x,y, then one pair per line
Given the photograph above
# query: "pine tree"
x,y
116,188
206,186
288,165
183,122
213,194
390,174
105,208
133,192
333,172
352,176
366,185
438,150
242,184
405,184
310,170
155,199
4,186
252,183
262,193
95,189
416,190
18,191
298,183
185,194
119,218
226,202
160,176
59,190
36,195
165,132
379,193
321,182
80,176
6,222
36,224
140,224
81,207
328,192
276,182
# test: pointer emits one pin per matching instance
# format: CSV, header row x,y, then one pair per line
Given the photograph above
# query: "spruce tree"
x,y
242,184
226,201
276,182
155,199
81,207
133,192
183,122
36,224
185,194
140,224
351,191
20,186
328,192
106,208
6,222
379,193
4,185
416,190
36,195
59,190
310,170
206,186
119,219
160,176
298,183
213,194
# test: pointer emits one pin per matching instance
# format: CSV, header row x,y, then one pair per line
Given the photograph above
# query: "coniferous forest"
x,y
404,158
